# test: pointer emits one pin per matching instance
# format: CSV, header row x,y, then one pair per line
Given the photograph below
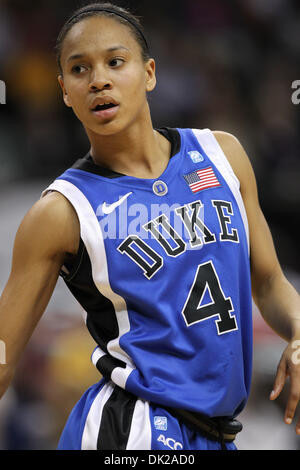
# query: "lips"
x,y
104,107
103,103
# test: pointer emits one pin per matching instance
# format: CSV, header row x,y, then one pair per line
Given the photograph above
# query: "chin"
x,y
104,128
108,128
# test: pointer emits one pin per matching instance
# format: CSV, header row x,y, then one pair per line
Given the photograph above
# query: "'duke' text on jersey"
x,y
198,235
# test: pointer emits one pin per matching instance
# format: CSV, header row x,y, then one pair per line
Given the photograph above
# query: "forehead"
x,y
98,32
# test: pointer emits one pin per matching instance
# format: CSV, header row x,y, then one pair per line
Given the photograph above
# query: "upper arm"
x,y
263,257
48,232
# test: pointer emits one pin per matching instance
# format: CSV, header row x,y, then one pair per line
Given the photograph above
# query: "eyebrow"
x,y
110,49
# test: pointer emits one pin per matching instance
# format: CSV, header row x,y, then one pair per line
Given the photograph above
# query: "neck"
x,y
138,151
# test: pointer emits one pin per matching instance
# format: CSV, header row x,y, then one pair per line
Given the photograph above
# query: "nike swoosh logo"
x,y
108,209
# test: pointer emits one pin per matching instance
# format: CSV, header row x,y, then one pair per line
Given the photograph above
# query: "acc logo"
x,y
169,442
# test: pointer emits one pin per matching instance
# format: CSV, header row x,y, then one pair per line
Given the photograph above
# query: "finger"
x,y
293,399
279,380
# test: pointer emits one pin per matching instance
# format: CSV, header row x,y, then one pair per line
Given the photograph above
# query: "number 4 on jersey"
x,y
193,310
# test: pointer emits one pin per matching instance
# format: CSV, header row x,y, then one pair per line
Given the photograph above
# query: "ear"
x,y
150,75
65,94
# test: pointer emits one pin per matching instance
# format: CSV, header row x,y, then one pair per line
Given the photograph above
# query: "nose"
x,y
99,81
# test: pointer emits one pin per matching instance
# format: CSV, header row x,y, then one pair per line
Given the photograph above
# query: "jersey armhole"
x,y
215,152
70,268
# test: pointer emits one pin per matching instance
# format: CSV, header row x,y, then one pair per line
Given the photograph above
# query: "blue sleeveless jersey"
x,y
164,277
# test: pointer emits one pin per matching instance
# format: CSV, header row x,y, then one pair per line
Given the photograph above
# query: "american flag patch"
x,y
202,179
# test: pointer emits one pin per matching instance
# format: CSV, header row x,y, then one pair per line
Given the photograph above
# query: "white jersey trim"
x,y
92,238
215,153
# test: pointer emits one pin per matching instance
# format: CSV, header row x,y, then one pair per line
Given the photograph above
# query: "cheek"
x,y
77,102
75,92
133,84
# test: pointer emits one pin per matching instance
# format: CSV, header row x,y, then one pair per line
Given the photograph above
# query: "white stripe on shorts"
x,y
140,432
93,420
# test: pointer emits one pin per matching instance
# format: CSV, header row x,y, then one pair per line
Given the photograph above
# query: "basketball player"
x,y
159,235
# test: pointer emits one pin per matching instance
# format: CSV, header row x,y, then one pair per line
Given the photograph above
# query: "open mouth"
x,y
103,107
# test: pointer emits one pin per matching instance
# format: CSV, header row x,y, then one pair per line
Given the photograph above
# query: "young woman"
x,y
168,293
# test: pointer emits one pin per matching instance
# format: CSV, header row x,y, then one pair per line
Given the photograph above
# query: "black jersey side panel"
x,y
101,319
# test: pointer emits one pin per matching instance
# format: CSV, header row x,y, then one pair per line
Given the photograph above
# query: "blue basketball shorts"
x,y
110,418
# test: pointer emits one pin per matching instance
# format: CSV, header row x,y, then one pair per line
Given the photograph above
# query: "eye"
x,y
77,69
116,62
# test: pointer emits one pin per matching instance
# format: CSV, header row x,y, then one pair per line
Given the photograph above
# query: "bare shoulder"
x,y
52,224
238,159
232,148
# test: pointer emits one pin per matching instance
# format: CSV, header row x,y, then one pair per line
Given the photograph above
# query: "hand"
x,y
289,366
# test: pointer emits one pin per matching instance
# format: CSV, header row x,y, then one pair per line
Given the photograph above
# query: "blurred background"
x,y
225,65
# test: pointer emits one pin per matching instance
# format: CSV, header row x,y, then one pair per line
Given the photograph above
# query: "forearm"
x,y
279,304
22,303
19,314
